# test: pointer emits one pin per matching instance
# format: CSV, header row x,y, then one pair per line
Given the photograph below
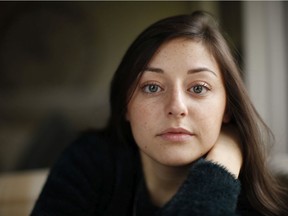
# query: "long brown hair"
x,y
259,185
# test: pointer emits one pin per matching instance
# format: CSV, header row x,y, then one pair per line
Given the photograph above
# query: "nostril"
x,y
182,114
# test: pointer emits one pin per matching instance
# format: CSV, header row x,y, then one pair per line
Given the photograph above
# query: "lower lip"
x,y
176,137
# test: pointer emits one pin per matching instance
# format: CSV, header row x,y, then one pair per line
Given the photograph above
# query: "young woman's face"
x,y
178,107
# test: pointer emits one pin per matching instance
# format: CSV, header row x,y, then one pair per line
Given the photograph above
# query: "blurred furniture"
x,y
19,191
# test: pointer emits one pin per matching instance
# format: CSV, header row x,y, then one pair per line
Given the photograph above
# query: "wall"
x,y
265,44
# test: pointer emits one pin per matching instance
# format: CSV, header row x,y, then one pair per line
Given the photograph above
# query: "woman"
x,y
183,137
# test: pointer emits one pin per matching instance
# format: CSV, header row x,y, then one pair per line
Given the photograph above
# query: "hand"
x,y
227,150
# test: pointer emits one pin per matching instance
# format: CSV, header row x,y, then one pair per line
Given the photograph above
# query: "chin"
x,y
178,161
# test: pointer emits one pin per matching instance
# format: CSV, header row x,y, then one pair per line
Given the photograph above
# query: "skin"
x,y
176,115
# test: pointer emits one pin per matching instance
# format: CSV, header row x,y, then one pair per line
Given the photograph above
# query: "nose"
x,y
177,104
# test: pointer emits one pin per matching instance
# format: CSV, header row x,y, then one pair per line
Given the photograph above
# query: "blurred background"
x,y
57,60
56,63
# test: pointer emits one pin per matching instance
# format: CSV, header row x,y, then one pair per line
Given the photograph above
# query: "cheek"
x,y
210,121
138,111
141,127
211,114
141,118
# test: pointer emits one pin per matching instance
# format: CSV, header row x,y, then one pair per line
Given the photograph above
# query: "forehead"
x,y
184,52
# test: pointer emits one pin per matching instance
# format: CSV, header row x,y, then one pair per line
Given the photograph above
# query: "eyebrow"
x,y
201,69
152,69
191,71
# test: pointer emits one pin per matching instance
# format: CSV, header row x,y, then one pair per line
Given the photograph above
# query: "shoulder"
x,y
89,155
76,181
90,143
91,140
91,152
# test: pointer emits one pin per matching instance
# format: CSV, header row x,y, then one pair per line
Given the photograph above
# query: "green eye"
x,y
199,89
151,88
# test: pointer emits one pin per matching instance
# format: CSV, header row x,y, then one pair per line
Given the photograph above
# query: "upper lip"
x,y
177,130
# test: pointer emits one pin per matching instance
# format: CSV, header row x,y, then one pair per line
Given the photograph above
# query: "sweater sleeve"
x,y
209,190
74,184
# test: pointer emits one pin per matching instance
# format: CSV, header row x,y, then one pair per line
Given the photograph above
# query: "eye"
x,y
199,89
151,88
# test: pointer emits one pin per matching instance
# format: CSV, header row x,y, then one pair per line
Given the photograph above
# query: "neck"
x,y
162,181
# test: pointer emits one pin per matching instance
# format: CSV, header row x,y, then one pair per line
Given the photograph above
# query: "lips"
x,y
176,135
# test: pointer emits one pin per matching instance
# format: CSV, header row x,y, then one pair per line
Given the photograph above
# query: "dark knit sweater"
x,y
96,177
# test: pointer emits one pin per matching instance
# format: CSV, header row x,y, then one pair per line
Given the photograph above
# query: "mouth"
x,y
176,135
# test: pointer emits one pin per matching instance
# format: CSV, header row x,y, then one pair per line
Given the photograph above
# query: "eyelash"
x,y
149,84
144,87
200,84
